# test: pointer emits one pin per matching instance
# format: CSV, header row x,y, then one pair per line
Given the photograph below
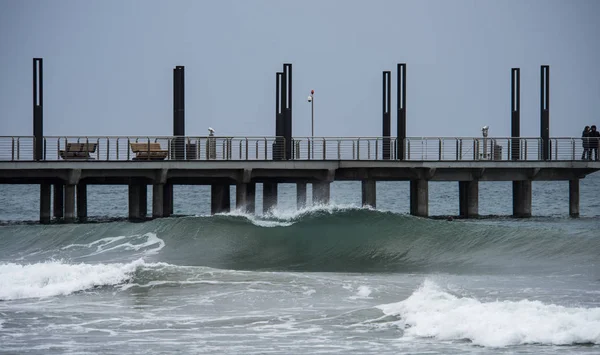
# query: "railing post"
x,y
339,152
407,149
368,149
440,149
324,149
353,156
358,149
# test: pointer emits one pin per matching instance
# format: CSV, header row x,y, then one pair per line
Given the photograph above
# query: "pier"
x,y
63,167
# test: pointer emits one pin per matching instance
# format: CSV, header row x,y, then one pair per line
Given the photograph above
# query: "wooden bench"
x,y
78,151
148,151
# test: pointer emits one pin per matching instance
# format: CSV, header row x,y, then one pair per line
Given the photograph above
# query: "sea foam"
x,y
53,278
433,313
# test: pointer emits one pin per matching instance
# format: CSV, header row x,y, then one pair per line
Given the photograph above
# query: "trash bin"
x,y
497,152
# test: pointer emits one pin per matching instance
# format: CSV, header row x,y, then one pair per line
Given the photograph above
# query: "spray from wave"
x,y
431,312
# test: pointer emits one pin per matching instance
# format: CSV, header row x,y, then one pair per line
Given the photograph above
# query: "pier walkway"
x,y
68,164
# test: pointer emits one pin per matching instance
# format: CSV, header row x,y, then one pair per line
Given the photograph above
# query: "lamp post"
x,y
311,99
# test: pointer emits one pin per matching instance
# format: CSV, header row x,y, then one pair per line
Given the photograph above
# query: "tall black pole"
x,y
287,126
279,123
401,120
515,112
179,111
387,119
38,108
545,111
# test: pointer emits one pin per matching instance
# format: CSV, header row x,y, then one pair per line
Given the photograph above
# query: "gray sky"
x,y
108,65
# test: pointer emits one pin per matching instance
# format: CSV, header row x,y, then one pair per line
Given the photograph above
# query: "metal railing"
x,y
22,148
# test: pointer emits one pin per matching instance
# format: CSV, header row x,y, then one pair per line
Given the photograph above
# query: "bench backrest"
x,y
144,147
81,147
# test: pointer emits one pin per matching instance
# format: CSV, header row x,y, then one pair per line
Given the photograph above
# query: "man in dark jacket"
x,y
594,142
586,144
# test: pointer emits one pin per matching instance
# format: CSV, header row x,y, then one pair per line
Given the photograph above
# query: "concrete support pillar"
x,y
369,193
219,198
300,195
45,196
69,203
143,201
241,196
269,196
522,199
134,202
59,201
167,200
82,202
419,198
468,196
321,191
574,198
251,198
158,195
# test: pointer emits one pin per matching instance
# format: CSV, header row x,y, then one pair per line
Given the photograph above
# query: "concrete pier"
x,y
81,202
369,193
574,198
220,198
138,204
522,199
59,201
269,196
45,195
468,196
158,195
167,200
69,203
419,198
321,192
300,195
251,198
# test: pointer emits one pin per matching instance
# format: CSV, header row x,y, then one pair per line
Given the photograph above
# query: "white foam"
x,y
286,217
55,278
131,243
432,312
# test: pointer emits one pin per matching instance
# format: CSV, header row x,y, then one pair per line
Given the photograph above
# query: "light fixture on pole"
x,y
311,99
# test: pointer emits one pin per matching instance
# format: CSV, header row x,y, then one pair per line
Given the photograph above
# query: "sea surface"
x,y
335,279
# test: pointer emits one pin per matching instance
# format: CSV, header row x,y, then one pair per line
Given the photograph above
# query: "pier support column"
x,y
158,195
69,203
45,195
269,196
82,202
574,198
369,193
300,195
219,198
138,201
522,199
321,192
468,195
59,201
241,196
419,198
251,198
167,200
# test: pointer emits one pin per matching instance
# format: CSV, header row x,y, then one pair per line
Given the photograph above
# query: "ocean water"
x,y
335,279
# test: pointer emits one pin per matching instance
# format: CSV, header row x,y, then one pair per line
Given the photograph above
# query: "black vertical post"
x,y
287,112
515,111
545,111
279,119
178,112
387,119
401,120
38,109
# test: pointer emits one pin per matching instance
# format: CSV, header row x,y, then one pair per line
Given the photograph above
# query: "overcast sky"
x,y
108,65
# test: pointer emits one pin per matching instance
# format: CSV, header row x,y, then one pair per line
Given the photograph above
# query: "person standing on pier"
x,y
594,141
586,144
